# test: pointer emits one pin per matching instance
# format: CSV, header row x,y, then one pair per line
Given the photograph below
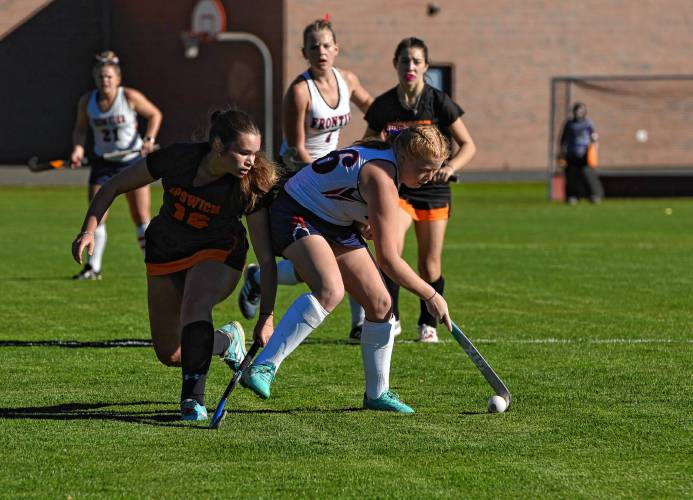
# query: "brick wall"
x,y
45,66
147,36
504,53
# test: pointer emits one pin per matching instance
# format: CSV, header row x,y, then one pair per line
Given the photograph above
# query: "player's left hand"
x,y
147,147
366,230
443,174
264,328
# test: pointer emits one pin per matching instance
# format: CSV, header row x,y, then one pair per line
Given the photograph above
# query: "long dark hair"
x,y
227,125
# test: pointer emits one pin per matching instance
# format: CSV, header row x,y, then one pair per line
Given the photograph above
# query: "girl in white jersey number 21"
x,y
111,110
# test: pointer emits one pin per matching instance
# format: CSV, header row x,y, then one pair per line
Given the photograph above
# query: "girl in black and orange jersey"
x,y
413,102
196,245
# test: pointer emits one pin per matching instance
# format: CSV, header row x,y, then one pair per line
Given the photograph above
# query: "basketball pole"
x,y
191,43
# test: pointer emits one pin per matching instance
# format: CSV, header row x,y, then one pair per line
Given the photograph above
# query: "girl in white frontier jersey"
x,y
317,106
111,111
312,224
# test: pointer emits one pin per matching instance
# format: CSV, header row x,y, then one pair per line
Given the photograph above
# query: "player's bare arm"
x,y
359,95
466,151
378,188
382,198
260,237
129,179
79,133
145,108
296,104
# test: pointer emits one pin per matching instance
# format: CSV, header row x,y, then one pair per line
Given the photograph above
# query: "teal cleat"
x,y
388,401
192,410
258,378
236,351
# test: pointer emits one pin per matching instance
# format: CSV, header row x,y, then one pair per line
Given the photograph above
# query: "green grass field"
x,y
584,311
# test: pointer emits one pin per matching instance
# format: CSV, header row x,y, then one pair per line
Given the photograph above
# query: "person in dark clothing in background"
x,y
576,138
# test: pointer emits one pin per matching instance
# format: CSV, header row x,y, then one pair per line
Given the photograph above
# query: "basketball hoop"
x,y
209,25
191,44
208,18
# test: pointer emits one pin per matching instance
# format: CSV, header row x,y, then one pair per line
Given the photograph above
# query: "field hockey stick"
x,y
291,160
118,155
36,166
494,380
220,413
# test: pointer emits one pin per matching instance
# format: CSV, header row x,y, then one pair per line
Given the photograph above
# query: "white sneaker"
x,y
427,334
396,328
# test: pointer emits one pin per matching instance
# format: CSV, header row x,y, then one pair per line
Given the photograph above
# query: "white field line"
x,y
559,341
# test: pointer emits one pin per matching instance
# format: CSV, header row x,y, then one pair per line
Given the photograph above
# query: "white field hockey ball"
x,y
497,404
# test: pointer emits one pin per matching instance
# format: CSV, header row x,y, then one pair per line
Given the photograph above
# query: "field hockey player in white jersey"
x,y
316,107
312,224
111,110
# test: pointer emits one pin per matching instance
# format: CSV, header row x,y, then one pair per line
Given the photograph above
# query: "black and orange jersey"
x,y
433,108
193,220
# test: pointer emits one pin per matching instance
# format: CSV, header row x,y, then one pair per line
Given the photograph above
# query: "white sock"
x,y
304,316
285,273
100,238
358,315
376,348
140,234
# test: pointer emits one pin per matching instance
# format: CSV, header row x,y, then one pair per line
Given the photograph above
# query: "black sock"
x,y
425,317
196,344
221,343
393,288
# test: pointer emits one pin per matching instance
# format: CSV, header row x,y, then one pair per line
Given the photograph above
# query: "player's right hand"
x,y
84,239
438,308
76,157
365,229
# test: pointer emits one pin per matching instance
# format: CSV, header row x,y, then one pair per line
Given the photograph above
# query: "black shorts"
x,y
102,170
165,254
431,201
291,221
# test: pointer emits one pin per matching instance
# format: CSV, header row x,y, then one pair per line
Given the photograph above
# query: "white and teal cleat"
x,y
193,411
236,351
388,401
258,378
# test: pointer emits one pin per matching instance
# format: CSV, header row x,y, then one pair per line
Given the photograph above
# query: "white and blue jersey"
x,y
323,122
116,128
329,187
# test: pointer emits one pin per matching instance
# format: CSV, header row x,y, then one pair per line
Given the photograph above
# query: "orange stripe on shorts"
x,y
425,214
186,263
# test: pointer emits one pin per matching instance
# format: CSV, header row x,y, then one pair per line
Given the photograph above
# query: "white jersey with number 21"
x,y
116,128
329,187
